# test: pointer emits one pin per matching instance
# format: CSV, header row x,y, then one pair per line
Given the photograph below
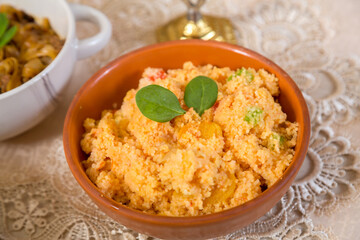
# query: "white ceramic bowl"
x,y
28,104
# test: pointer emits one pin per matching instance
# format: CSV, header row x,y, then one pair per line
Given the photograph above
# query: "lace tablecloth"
x,y
315,41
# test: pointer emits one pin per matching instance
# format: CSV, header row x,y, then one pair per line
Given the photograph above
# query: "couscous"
x,y
192,165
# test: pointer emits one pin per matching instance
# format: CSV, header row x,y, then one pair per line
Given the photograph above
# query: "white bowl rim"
x,y
67,44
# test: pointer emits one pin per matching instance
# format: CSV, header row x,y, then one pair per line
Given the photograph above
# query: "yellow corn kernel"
x,y
221,195
209,129
184,129
123,123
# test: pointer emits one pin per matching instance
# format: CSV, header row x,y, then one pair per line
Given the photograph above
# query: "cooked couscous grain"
x,y
193,165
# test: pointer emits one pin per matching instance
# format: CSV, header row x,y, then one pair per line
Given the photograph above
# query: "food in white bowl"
x,y
27,46
26,105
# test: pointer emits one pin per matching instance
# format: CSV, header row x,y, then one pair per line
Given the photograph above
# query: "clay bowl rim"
x,y
137,215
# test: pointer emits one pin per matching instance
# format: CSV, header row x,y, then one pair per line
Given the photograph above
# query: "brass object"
x,y
196,26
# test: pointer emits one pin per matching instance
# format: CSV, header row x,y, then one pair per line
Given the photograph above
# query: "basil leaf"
x,y
8,35
158,103
201,94
4,22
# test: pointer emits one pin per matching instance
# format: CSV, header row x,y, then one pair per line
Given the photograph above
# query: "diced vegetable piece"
x,y
249,76
220,194
209,129
123,124
239,72
276,141
253,115
160,74
282,140
184,129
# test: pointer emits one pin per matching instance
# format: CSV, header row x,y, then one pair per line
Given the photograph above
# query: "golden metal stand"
x,y
196,26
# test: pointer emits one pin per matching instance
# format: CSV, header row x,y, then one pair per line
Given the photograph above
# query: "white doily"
x,y
40,199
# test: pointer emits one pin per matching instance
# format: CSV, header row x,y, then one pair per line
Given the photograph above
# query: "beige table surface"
x,y
321,38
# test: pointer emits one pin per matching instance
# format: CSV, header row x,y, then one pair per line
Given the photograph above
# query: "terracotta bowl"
x,y
109,85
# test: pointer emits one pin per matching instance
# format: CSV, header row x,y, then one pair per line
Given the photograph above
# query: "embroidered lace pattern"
x,y
40,199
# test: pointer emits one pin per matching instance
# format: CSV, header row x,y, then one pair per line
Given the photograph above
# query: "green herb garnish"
x,y
253,115
248,75
239,72
276,139
158,103
281,140
6,34
201,94
161,105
